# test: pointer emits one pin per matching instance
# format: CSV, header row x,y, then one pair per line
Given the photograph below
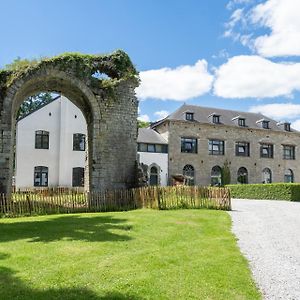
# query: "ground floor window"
x,y
266,175
216,176
40,176
78,177
242,175
288,176
189,173
153,176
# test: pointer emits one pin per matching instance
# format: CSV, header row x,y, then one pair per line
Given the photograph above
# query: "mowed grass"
x,y
142,254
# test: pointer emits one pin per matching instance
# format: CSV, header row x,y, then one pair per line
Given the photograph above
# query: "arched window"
x,y
153,175
40,176
78,177
242,175
266,175
189,173
216,176
288,176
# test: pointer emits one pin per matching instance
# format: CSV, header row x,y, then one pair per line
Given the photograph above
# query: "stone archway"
x,y
109,106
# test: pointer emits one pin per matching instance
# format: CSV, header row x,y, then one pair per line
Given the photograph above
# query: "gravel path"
x,y
269,237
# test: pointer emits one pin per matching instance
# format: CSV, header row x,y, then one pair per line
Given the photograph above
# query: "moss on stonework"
x,y
116,65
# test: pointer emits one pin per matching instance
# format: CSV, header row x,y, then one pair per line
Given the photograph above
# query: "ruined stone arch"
x,y
109,106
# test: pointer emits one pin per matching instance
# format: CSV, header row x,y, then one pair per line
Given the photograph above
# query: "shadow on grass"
x,y
72,228
11,287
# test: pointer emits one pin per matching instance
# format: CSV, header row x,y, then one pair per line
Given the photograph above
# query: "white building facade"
x,y
51,146
153,152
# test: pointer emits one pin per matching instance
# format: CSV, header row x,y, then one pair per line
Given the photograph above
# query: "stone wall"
x,y
203,162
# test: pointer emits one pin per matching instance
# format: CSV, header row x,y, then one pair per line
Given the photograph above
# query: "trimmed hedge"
x,y
270,191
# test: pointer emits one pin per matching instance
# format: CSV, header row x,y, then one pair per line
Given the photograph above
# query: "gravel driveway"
x,y
269,237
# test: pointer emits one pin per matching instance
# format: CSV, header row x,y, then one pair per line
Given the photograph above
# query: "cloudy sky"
x,y
234,54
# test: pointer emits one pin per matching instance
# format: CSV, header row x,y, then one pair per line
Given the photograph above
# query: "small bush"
x,y
271,191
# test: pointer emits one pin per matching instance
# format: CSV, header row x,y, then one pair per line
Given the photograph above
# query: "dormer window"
x,y
287,126
264,123
189,116
242,122
216,119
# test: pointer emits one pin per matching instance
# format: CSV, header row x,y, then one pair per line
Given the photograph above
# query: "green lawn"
x,y
142,254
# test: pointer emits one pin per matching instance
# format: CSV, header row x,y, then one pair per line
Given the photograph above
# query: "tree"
x,y
34,102
225,173
143,124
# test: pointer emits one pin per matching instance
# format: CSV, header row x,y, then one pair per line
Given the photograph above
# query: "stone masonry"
x,y
109,106
203,163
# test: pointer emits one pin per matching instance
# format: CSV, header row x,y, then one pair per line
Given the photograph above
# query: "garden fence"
x,y
49,202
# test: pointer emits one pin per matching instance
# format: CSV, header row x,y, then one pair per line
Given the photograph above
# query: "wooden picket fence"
x,y
36,203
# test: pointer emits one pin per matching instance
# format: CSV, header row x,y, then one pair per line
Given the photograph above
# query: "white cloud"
x,y
282,18
182,83
161,114
144,118
278,111
253,76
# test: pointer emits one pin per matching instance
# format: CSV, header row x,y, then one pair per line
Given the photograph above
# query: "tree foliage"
x,y
34,102
225,173
143,124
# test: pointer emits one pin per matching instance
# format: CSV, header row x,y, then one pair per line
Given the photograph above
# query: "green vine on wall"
x,y
117,66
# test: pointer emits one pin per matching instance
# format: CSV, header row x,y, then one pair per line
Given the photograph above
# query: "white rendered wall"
x,y
60,157
160,159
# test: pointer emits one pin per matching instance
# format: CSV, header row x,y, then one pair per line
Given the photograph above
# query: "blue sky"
x,y
235,54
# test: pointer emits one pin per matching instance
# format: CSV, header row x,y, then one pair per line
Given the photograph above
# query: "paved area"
x,y
268,234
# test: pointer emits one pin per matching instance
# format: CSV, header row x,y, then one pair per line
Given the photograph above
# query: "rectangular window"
x,y
41,139
40,176
189,116
79,142
78,177
265,124
142,147
266,150
287,126
189,145
216,147
288,152
151,148
242,122
216,119
242,149
157,148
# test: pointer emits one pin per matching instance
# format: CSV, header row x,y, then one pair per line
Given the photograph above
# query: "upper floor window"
x,y
287,126
216,147
242,149
189,116
288,152
79,142
216,119
242,122
41,139
266,150
189,145
265,124
40,176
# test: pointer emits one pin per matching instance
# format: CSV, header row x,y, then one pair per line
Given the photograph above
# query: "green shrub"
x,y
271,191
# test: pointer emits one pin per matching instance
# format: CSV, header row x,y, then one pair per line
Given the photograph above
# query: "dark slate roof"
x,y
150,136
227,117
